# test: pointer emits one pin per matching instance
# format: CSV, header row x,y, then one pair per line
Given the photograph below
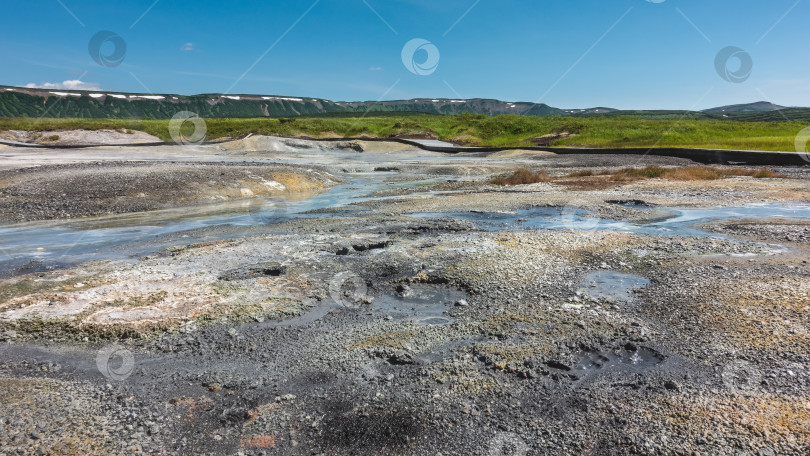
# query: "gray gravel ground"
x,y
370,328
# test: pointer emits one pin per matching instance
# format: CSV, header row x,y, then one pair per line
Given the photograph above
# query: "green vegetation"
x,y
476,130
43,103
784,115
38,103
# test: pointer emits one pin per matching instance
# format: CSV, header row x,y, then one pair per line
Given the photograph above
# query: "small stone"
x,y
401,358
462,303
404,290
232,332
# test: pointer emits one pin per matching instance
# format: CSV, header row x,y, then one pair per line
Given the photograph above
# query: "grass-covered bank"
x,y
475,130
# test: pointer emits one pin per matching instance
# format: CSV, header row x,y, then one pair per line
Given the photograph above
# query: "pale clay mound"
x,y
261,143
81,137
251,143
81,190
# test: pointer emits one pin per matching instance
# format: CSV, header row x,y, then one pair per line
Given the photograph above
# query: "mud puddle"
x,y
423,304
305,319
628,359
612,286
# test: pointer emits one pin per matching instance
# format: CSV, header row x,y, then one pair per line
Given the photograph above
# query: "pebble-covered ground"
x,y
102,188
435,313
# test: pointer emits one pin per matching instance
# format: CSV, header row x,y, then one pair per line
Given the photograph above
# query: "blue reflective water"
x,y
682,221
70,242
39,245
75,241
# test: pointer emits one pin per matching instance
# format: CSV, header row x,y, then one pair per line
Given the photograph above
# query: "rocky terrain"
x,y
82,190
406,305
79,137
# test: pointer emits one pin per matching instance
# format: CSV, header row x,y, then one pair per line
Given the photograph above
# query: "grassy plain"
x,y
474,130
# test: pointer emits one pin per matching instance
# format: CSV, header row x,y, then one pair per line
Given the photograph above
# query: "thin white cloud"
x,y
377,68
187,47
73,84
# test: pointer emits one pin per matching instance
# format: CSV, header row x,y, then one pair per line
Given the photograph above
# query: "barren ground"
x,y
279,297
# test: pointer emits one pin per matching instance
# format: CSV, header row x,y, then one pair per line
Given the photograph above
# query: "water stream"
x,y
682,222
29,247
73,241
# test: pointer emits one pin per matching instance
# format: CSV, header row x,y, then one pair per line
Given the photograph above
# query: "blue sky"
x,y
628,54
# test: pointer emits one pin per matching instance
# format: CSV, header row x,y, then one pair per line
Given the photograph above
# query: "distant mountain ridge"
x,y
52,103
759,106
29,102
